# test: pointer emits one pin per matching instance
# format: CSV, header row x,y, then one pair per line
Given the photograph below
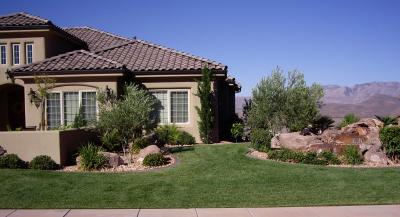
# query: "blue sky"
x,y
341,42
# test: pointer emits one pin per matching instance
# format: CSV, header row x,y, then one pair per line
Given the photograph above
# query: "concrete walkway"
x,y
333,211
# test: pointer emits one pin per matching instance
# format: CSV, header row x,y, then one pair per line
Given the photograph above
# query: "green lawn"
x,y
207,176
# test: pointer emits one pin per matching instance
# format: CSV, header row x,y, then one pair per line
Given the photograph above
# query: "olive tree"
x,y
128,117
283,101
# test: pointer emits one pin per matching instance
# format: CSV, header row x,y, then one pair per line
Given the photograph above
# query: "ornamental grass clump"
x,y
91,158
352,155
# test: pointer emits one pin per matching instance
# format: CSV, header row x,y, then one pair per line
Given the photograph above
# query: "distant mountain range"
x,y
365,100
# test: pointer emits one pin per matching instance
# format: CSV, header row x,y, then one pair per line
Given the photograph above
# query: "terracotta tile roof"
x,y
139,55
22,19
78,60
96,39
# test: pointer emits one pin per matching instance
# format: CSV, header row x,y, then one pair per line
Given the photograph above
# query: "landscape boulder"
x,y
294,141
364,134
2,151
113,159
151,149
376,157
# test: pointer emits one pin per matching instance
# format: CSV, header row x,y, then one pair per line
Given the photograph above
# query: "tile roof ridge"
x,y
68,54
98,30
180,52
103,58
26,14
33,16
114,46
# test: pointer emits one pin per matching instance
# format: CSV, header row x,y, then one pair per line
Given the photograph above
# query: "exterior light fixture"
x,y
34,97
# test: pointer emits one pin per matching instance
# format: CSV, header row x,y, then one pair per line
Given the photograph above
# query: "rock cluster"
x,y
364,134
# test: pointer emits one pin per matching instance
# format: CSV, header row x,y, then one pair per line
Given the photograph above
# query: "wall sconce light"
x,y
34,97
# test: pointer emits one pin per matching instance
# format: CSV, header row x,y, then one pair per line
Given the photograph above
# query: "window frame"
x,y
169,104
62,103
19,53
5,54
26,52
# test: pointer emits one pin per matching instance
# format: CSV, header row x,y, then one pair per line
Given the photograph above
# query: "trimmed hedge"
x,y
155,159
12,161
287,155
43,162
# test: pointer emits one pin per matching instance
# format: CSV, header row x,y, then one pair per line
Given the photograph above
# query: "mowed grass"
x,y
206,176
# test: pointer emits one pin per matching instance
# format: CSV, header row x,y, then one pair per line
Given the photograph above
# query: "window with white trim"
x,y
16,53
174,105
3,54
63,107
53,110
71,107
29,53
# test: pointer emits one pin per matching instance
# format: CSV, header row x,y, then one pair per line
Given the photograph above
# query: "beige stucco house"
x,y
83,59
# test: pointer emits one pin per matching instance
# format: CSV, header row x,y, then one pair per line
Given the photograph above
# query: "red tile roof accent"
x,y
78,60
139,55
22,19
96,39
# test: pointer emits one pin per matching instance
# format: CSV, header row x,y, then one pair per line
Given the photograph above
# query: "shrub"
x,y
237,130
260,139
155,159
351,155
286,155
165,134
170,134
349,119
12,161
79,120
390,137
205,110
329,158
185,138
313,158
387,120
282,101
91,158
135,112
138,144
43,162
321,123
110,141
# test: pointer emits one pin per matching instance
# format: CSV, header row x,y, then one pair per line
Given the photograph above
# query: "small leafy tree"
x,y
129,116
43,84
237,131
387,120
79,120
205,111
280,102
348,119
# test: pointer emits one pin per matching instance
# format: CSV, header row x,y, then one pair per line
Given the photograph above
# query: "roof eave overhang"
x,y
117,72
172,73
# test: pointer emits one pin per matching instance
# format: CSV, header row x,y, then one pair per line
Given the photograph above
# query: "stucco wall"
x,y
192,126
32,114
59,145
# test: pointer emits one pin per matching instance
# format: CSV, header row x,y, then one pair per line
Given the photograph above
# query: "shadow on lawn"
x,y
180,149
